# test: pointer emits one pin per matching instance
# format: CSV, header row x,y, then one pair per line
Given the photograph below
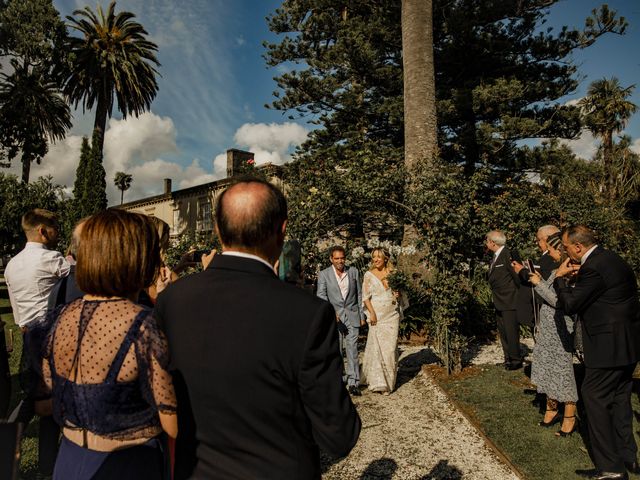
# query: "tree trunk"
x,y
607,160
26,167
100,124
121,197
420,133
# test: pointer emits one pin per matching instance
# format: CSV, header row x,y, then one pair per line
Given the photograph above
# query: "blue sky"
x,y
215,83
611,55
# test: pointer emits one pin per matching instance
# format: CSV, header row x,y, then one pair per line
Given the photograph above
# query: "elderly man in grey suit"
x,y
341,287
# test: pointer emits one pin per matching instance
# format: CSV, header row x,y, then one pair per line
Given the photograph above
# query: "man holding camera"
x,y
605,297
341,287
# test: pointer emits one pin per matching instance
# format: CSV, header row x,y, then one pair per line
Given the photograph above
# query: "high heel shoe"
x,y
561,433
556,418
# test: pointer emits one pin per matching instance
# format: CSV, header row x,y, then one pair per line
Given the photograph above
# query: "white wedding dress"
x,y
380,362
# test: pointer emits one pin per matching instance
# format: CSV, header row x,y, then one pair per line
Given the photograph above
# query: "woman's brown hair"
x,y
118,254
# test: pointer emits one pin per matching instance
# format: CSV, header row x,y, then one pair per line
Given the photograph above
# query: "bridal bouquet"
x,y
398,280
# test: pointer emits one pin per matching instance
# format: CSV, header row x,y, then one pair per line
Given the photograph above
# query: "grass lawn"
x,y
494,400
29,450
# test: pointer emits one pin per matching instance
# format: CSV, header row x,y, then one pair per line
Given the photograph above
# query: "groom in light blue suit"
x,y
341,287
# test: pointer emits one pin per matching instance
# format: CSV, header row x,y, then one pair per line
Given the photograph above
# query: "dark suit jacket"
x,y
547,265
504,282
261,367
65,290
605,296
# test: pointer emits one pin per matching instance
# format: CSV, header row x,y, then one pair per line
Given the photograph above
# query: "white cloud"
x,y
220,166
140,139
61,163
271,143
585,146
635,146
573,102
135,146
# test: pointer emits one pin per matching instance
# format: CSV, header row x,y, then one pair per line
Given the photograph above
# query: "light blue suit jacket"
x,y
349,310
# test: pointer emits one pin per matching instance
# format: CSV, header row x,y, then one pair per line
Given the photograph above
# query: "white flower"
x,y
373,243
409,250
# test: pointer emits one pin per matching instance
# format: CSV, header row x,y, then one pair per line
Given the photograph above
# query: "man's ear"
x,y
283,229
43,232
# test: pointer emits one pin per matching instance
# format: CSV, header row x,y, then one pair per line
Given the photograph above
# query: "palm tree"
x,y
111,58
606,112
123,182
32,112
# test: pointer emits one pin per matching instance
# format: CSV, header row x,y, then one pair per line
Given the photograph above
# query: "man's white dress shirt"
x,y
343,281
586,255
495,257
30,276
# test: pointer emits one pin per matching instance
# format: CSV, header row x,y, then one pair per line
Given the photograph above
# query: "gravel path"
x,y
416,433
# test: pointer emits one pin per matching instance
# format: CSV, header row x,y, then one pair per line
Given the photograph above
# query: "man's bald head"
x,y
249,214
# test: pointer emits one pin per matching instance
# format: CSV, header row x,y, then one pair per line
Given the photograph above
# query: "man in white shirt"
x,y
33,272
30,276
341,287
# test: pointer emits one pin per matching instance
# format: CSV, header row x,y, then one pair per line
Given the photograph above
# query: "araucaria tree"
x,y
111,60
500,78
123,182
32,110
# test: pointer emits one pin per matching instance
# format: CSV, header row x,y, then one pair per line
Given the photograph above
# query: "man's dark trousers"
x,y
610,430
509,330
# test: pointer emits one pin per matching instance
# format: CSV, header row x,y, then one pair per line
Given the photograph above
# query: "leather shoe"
x,y
596,474
632,467
355,391
513,366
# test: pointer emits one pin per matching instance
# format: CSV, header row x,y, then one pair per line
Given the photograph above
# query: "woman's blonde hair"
x,y
385,255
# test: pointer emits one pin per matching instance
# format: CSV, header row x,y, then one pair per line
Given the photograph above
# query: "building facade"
x,y
190,210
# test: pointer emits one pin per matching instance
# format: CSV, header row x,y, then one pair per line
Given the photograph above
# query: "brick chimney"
x,y
235,159
167,186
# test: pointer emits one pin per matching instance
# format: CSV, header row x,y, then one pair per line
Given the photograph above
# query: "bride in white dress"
x,y
380,362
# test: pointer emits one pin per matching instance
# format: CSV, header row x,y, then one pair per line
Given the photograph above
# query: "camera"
x,y
197,254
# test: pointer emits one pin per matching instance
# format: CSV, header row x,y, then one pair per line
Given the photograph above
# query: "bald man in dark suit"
x,y
257,359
